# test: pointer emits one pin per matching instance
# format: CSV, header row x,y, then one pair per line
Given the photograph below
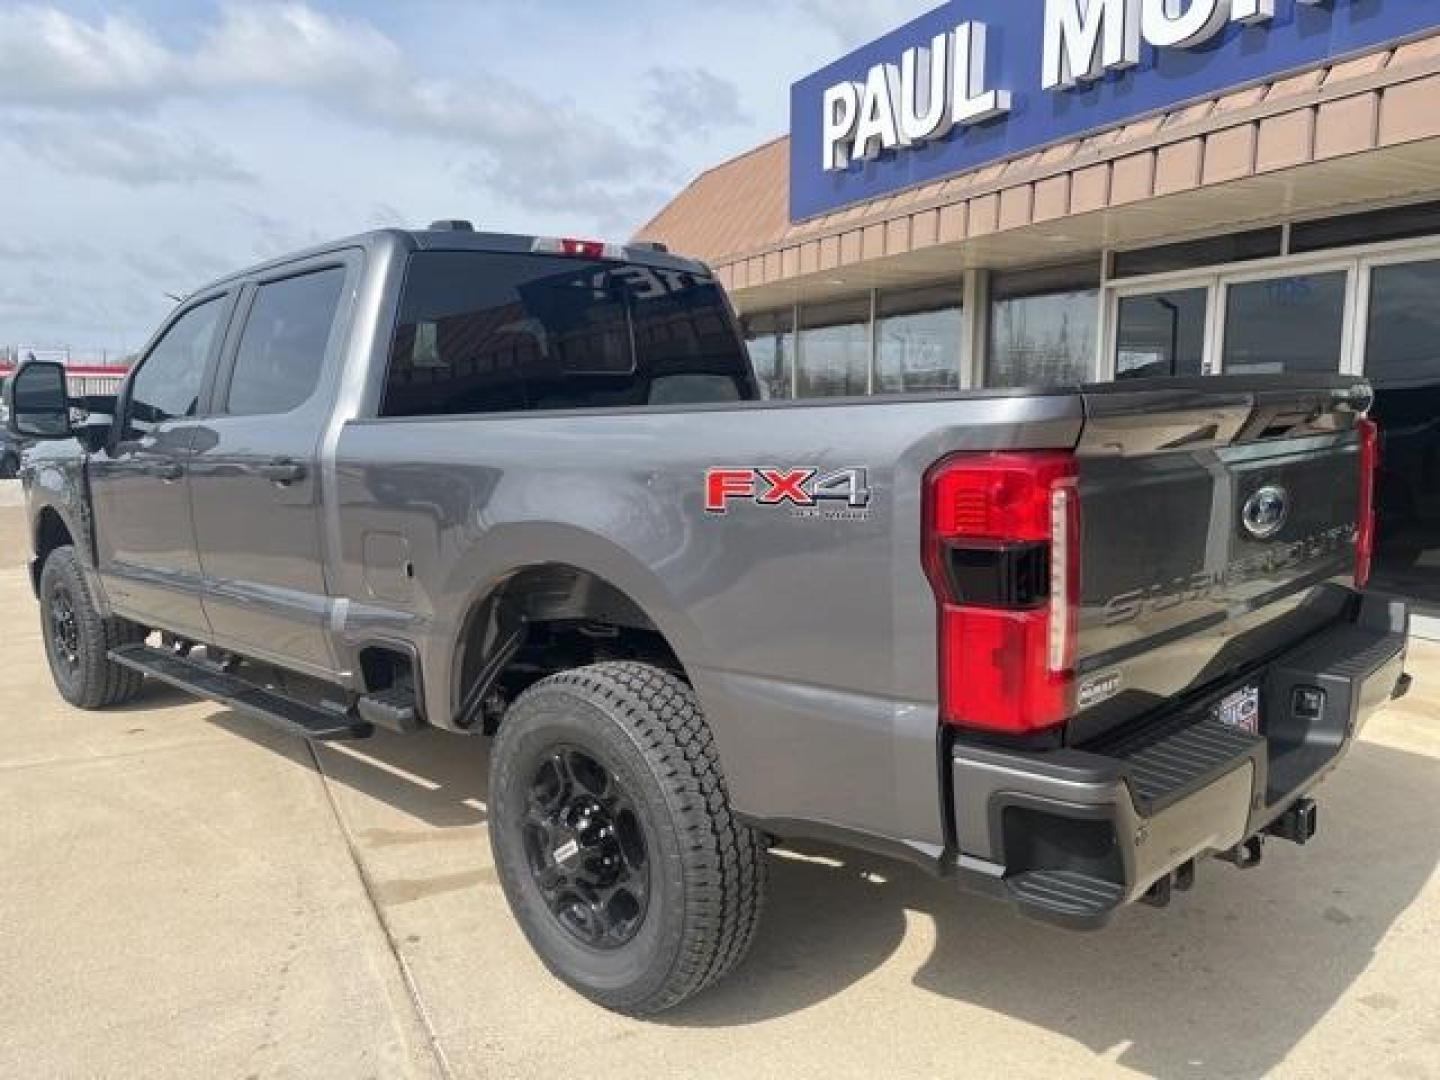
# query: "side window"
x,y
167,385
282,348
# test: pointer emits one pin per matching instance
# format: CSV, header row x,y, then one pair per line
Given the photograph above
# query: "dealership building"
x,y
1032,192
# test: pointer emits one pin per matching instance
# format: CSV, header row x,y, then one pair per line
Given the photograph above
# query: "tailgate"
x,y
1218,523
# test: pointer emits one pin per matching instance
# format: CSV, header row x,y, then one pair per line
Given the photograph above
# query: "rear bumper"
x,y
1072,835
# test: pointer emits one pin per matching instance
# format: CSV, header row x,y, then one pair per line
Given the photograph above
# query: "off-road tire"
x,y
706,870
92,680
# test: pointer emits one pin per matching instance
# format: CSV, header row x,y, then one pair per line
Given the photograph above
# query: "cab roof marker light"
x,y
577,248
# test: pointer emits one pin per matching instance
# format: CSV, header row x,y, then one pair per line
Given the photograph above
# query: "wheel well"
x,y
50,533
542,620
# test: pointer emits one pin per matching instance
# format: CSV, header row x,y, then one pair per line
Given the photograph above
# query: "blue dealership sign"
x,y
975,81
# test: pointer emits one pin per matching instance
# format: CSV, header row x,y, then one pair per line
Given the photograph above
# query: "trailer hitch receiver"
x,y
1297,824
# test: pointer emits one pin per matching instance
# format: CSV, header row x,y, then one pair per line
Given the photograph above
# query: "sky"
x,y
148,147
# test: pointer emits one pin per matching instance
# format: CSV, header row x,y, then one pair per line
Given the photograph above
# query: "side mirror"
x,y
39,402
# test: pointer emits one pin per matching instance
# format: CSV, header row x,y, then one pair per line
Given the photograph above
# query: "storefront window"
x,y
1294,323
917,340
1373,227
1043,326
771,340
1161,334
835,348
1403,339
1402,360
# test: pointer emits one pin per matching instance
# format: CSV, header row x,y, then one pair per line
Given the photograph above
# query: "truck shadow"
x,y
154,696
1224,983
433,776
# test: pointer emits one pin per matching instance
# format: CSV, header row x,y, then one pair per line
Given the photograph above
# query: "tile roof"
x,y
736,215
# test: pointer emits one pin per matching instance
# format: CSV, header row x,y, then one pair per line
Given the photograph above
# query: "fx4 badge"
x,y
843,495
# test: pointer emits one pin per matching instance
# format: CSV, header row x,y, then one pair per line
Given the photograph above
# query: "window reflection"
x,y
770,337
1285,324
918,341
1161,334
835,349
1042,338
1403,363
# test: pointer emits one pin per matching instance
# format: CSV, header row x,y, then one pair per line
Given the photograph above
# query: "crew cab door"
x,y
139,484
255,474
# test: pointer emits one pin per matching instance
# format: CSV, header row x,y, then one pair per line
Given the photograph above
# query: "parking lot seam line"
x,y
412,988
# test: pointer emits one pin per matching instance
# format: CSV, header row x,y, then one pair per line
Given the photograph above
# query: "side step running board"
x,y
393,709
203,680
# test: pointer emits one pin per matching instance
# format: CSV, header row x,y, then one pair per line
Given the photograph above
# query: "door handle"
x,y
282,471
168,471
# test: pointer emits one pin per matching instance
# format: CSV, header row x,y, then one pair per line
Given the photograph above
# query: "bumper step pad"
x,y
1065,896
207,681
1168,760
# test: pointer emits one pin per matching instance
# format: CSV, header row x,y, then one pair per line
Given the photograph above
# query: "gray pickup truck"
x,y
1054,644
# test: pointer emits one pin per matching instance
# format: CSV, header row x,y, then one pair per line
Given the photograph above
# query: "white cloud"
x,y
53,58
84,304
174,263
854,22
292,46
128,152
691,103
345,66
179,140
13,250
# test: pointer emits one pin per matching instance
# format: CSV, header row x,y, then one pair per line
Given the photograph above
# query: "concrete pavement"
x,y
187,893
11,494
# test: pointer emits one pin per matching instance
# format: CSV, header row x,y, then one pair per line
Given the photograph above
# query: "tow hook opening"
x,y
1185,876
1158,895
1181,880
1246,854
1297,824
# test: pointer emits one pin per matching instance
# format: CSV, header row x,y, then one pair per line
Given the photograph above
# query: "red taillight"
x,y
1365,513
1001,549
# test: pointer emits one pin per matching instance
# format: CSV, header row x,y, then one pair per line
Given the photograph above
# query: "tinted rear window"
x,y
480,332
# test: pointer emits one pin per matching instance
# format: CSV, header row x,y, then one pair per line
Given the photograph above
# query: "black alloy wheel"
x,y
64,629
78,639
586,848
614,840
